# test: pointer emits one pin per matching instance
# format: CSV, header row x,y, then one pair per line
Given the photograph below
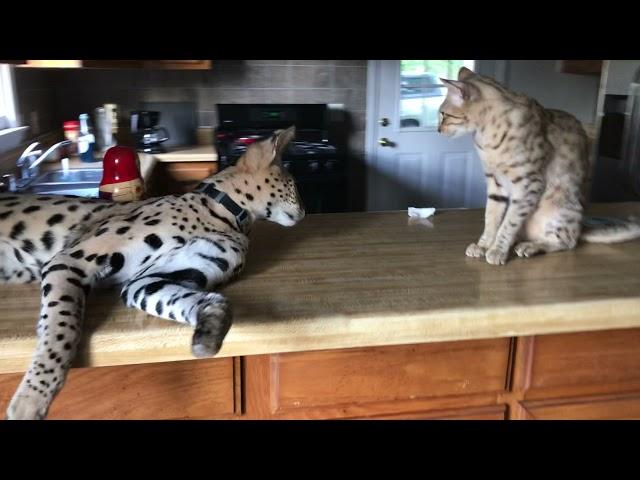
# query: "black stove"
x,y
318,166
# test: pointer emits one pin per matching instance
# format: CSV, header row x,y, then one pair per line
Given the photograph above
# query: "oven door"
x,y
324,193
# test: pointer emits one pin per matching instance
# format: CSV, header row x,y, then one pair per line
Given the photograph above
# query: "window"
x,y
422,92
7,98
12,135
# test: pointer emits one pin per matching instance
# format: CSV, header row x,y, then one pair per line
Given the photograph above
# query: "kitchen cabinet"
x,y
581,67
178,64
150,64
587,375
578,375
116,64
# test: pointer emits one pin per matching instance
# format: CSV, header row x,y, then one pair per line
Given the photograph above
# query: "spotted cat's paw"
x,y
496,257
527,249
25,406
475,250
214,321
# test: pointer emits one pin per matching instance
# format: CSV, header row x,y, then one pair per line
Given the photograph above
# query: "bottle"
x,y
104,132
71,132
86,140
112,115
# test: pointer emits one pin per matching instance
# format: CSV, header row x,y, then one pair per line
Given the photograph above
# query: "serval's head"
x,y
260,184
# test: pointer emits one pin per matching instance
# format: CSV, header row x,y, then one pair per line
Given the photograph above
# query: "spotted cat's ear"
x,y
464,73
260,155
460,92
280,140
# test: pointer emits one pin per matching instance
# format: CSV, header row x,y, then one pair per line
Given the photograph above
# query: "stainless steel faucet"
x,y
30,160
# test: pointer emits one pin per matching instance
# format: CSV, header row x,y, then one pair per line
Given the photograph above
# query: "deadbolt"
x,y
384,122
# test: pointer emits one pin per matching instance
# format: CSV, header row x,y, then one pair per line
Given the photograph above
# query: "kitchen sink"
x,y
81,175
82,182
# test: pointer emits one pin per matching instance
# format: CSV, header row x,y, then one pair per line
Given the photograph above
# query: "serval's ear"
x,y
464,73
260,155
460,92
281,140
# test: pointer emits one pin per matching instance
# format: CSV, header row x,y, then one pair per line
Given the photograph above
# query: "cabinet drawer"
x,y
190,171
583,359
171,178
613,408
489,413
173,390
387,374
581,67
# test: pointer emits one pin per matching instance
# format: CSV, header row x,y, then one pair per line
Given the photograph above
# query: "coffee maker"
x,y
148,135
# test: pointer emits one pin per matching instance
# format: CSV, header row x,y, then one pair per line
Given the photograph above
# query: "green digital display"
x,y
273,115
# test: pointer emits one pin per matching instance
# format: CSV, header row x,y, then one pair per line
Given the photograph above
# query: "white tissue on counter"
x,y
421,212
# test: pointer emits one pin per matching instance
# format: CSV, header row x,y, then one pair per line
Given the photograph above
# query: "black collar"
x,y
241,215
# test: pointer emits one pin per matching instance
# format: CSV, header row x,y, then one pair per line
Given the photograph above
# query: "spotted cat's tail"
x,y
619,231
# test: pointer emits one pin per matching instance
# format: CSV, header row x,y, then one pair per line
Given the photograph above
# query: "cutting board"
x,y
179,118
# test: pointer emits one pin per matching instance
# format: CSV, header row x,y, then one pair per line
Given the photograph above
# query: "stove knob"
x,y
286,165
314,166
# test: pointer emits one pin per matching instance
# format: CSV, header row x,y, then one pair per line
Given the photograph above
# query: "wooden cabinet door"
x,y
193,389
379,381
578,375
576,364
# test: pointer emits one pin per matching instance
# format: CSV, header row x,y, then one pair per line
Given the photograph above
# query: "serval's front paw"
x,y
475,250
25,406
214,321
495,256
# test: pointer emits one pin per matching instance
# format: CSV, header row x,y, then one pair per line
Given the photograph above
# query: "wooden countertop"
x,y
365,279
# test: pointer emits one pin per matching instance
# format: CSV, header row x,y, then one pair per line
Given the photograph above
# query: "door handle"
x,y
385,142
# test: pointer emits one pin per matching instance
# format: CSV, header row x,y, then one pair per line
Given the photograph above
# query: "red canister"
x,y
121,179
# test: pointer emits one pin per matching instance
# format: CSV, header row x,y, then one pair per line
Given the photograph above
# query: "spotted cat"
x,y
537,165
168,254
